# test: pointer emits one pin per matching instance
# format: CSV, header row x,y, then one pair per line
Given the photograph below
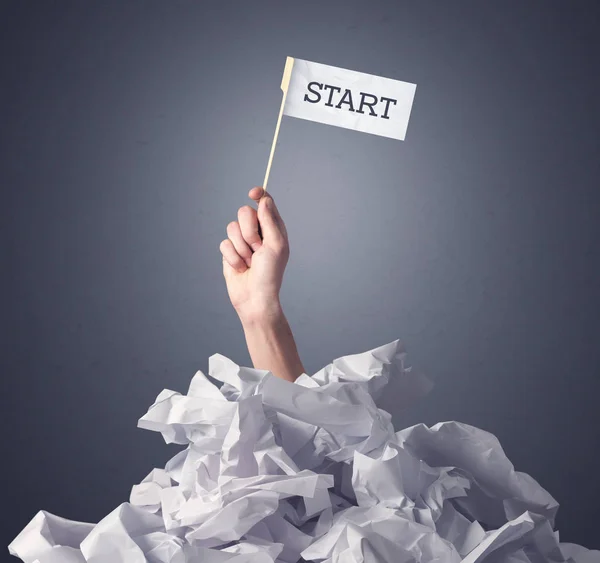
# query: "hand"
x,y
253,267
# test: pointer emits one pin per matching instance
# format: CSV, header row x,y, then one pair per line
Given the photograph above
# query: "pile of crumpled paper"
x,y
313,470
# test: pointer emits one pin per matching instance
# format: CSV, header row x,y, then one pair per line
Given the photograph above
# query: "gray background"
x,y
131,132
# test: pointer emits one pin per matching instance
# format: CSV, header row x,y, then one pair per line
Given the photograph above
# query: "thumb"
x,y
269,219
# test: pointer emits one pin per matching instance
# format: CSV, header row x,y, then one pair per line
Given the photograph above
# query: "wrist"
x,y
262,315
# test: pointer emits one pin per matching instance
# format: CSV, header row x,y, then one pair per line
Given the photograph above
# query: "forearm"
x,y
271,344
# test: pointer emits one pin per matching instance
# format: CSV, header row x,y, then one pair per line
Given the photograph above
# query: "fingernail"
x,y
269,203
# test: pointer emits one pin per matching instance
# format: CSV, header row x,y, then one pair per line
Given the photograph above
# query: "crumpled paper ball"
x,y
281,472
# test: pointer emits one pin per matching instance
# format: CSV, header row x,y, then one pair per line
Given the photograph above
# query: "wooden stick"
x,y
285,82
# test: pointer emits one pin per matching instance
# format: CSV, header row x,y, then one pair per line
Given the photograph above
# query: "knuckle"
x,y
280,246
231,227
253,238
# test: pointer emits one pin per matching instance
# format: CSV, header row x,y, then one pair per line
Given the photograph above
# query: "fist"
x,y
254,257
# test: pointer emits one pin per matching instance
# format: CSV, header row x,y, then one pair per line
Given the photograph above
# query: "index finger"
x,y
256,193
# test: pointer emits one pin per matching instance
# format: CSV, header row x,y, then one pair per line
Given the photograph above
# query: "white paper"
x,y
272,471
349,99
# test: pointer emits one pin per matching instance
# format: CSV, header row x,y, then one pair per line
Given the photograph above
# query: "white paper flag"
x,y
344,98
349,99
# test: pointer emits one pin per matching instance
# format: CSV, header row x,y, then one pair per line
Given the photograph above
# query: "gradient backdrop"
x,y
130,134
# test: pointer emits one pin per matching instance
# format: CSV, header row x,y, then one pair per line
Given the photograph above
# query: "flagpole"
x,y
285,82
